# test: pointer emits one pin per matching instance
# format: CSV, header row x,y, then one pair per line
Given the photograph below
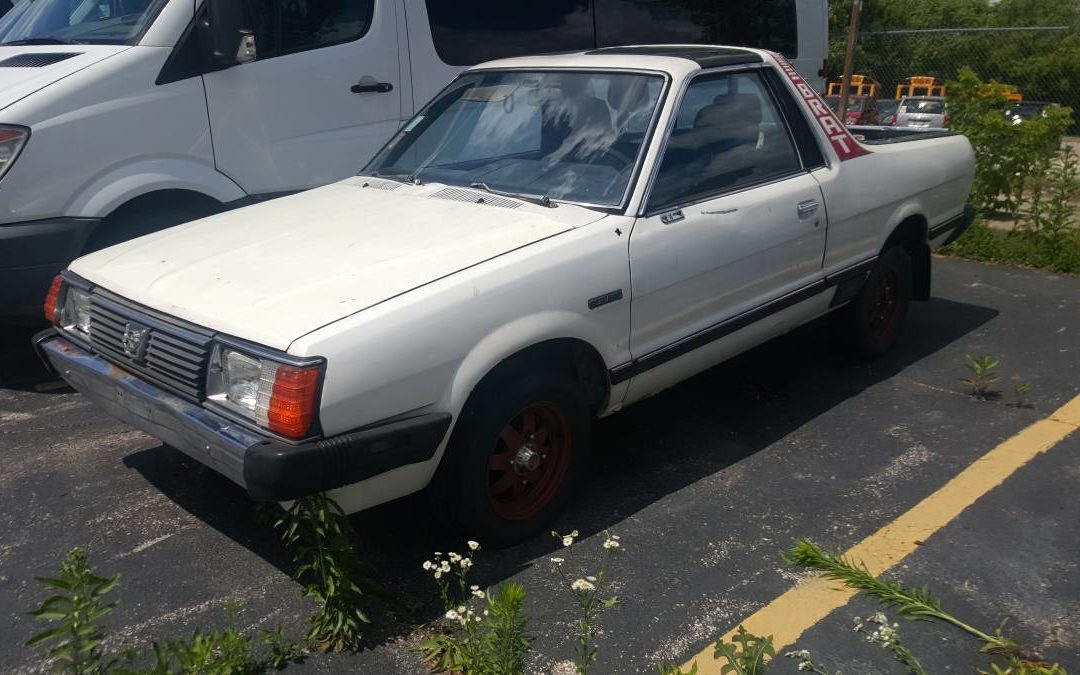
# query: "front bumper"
x,y
268,468
31,254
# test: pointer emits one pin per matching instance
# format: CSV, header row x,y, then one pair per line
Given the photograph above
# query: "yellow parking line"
x,y
787,617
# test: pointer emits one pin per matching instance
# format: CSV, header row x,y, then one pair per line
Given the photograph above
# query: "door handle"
x,y
807,208
718,213
371,88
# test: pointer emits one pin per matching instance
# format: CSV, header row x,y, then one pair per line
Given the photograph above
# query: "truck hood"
x,y
278,270
25,77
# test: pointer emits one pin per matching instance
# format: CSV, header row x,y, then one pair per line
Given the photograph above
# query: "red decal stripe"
x,y
843,142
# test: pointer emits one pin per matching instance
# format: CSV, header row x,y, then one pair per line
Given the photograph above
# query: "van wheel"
x,y
129,222
870,324
518,452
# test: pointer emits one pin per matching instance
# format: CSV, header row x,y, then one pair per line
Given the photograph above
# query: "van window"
x,y
286,26
767,24
467,32
728,134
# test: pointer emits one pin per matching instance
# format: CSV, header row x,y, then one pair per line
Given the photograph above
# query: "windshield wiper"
x,y
37,41
542,200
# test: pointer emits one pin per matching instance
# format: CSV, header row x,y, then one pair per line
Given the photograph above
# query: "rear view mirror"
x,y
230,41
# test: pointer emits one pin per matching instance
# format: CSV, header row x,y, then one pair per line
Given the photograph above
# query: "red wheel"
x,y
530,461
516,454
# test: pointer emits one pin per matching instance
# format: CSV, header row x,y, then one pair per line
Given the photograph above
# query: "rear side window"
x,y
467,32
767,24
728,134
287,26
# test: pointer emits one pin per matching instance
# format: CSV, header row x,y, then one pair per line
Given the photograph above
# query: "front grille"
x,y
169,354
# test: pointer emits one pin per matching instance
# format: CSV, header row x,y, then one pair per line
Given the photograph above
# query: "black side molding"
x,y
276,471
957,226
851,276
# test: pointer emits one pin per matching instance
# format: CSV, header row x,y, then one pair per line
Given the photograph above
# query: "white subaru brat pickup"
x,y
550,240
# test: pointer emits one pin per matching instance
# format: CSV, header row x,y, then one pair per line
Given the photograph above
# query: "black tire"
x,y
129,223
471,487
871,323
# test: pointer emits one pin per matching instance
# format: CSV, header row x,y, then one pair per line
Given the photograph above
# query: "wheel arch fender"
x,y
547,335
117,186
909,228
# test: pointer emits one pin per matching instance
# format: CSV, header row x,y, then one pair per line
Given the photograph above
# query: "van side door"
x,y
323,94
733,232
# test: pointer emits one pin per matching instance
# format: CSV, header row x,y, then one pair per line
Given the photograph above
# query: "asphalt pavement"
x,y
706,484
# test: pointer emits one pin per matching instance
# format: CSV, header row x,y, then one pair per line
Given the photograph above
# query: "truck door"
x,y
733,224
323,94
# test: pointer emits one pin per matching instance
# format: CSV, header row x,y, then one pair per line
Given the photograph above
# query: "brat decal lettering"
x,y
843,142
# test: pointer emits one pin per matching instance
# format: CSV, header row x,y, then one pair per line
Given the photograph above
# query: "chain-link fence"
x,y
1041,63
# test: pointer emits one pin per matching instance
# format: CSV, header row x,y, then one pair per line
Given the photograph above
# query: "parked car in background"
x,y
1026,110
922,112
861,110
887,108
123,117
551,239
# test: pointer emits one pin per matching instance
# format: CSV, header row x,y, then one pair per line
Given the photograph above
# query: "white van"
x,y
120,117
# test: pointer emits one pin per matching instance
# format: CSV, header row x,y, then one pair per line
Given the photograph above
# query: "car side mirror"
x,y
229,41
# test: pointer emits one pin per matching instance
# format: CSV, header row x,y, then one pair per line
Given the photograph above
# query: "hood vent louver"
x,y
474,197
36,59
376,184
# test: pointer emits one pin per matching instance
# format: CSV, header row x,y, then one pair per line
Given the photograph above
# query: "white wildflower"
x,y
477,592
557,561
428,564
567,540
610,544
454,557
592,579
452,615
466,563
444,566
582,585
438,574
473,546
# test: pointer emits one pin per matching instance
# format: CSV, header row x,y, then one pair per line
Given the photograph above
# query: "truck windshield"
x,y
568,136
47,22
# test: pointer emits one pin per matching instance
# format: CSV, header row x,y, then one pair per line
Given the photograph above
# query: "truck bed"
x,y
885,135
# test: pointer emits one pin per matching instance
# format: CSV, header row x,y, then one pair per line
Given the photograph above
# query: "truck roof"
x,y
676,60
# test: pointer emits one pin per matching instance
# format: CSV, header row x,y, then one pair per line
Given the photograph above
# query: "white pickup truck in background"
x,y
548,241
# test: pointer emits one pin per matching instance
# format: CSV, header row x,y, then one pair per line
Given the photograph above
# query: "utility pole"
x,y
849,58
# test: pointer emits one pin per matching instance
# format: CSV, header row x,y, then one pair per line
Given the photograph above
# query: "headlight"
x,y
12,140
75,313
276,396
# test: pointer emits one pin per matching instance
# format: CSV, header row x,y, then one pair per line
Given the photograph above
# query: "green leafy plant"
x,y
746,654
1020,391
221,652
888,637
1010,158
317,531
507,641
1017,666
916,604
492,641
983,377
587,592
283,650
1052,201
75,611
